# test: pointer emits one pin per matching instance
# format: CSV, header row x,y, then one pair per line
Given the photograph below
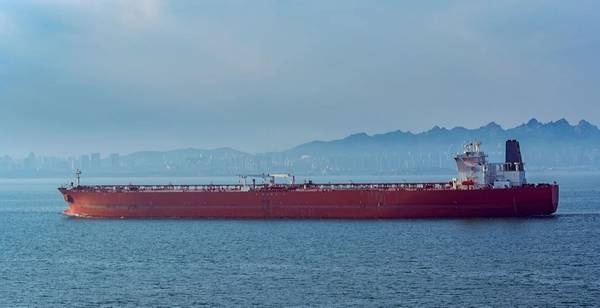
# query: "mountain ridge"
x,y
551,145
580,128
533,129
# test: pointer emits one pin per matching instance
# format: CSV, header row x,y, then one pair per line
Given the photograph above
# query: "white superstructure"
x,y
474,170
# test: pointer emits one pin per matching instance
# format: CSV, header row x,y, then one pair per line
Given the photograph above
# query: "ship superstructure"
x,y
474,170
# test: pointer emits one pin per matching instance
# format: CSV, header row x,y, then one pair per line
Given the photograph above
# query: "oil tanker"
x,y
481,189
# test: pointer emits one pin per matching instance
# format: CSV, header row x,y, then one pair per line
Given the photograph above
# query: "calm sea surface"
x,y
47,259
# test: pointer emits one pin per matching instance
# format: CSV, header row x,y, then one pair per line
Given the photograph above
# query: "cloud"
x,y
222,73
130,11
7,26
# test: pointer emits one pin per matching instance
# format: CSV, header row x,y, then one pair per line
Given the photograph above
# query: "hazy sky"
x,y
258,75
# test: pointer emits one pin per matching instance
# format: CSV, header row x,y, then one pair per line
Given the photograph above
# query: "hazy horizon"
x,y
105,153
257,76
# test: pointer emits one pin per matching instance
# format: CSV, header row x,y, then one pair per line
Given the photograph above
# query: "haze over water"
x,y
245,86
50,260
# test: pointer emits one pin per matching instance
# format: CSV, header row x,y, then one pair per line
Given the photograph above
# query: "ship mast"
x,y
78,176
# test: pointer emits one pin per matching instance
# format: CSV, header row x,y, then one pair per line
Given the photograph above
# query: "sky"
x,y
120,76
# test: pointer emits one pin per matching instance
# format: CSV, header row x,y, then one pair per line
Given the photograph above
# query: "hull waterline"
x,y
531,200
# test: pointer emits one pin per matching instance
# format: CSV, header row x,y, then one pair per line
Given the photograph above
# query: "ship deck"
x,y
277,187
262,187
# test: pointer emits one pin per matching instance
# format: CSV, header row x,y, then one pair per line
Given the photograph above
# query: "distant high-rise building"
x,y
84,162
95,161
72,163
30,162
115,161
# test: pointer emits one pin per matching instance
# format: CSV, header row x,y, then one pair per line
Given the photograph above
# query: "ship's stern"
x,y
555,197
541,200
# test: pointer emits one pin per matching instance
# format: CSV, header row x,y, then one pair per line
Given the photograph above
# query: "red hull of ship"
x,y
354,204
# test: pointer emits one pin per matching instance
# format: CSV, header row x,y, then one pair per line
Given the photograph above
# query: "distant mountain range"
x,y
555,145
545,145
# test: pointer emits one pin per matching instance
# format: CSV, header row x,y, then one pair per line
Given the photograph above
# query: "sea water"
x,y
48,259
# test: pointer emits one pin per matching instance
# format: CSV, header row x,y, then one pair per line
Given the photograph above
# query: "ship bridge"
x,y
475,170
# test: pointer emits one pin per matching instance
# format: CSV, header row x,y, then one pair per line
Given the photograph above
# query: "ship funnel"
x,y
513,152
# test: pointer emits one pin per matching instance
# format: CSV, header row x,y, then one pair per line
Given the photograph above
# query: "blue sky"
x,y
79,76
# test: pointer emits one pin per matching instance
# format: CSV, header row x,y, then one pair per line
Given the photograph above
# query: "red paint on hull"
x,y
353,204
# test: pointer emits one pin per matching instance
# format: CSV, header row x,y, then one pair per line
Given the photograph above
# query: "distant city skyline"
x,y
121,76
546,146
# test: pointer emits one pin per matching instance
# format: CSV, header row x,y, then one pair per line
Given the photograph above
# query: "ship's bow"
x,y
69,200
